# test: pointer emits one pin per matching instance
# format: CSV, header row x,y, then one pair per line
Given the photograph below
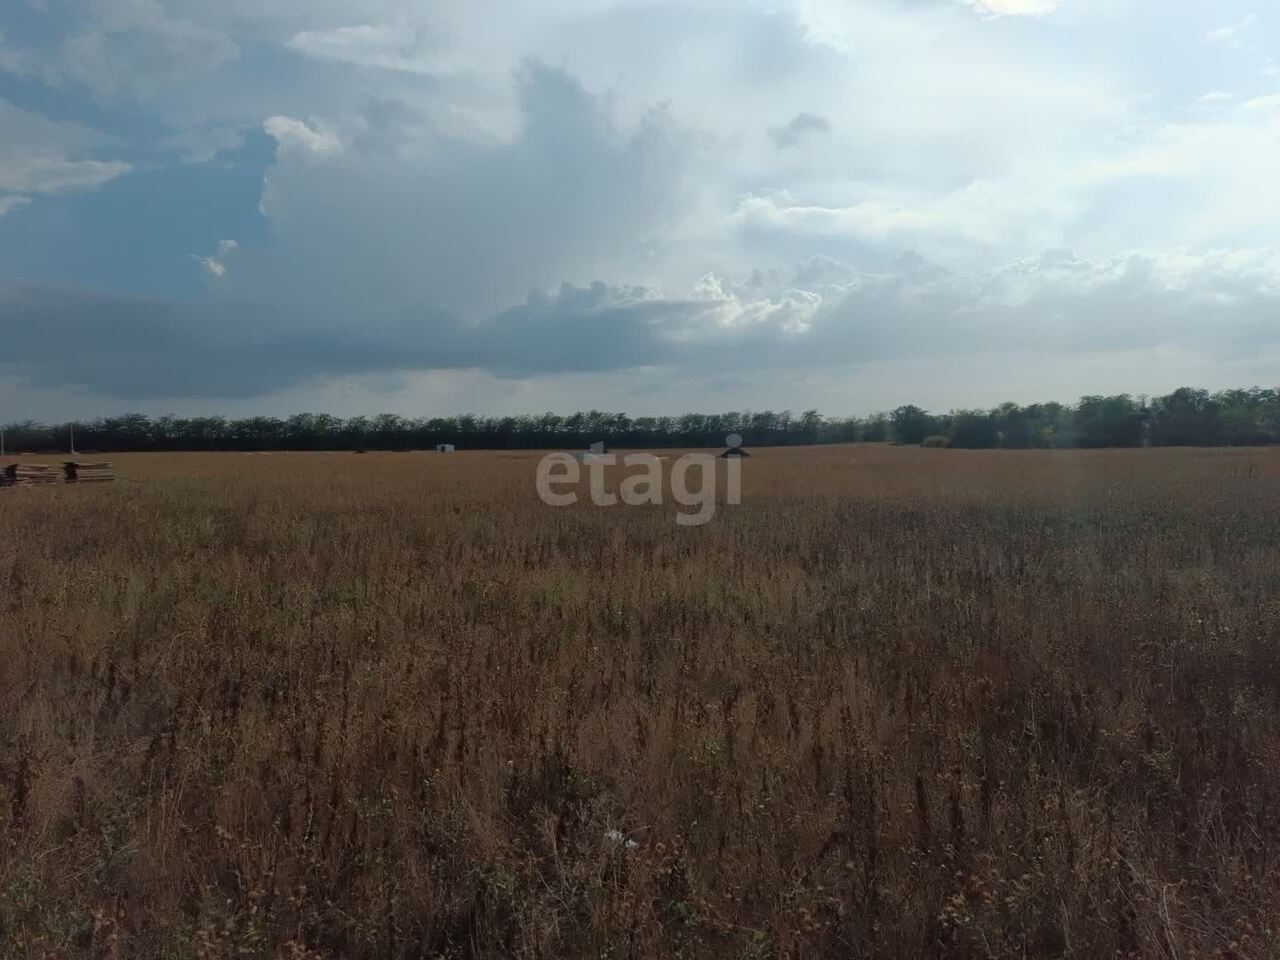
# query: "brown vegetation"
x,y
900,703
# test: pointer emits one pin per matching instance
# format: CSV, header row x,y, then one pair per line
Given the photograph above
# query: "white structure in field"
x,y
594,453
445,448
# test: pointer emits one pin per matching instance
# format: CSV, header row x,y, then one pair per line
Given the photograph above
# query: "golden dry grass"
x,y
900,703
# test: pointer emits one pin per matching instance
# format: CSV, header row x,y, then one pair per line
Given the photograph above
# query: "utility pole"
x,y
73,439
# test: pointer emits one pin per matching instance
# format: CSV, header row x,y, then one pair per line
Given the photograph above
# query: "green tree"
x,y
1116,421
1185,417
973,430
911,424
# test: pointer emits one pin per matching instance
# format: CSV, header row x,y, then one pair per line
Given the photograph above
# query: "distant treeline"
x,y
1186,417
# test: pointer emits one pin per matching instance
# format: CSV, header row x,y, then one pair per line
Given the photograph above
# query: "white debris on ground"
x,y
617,837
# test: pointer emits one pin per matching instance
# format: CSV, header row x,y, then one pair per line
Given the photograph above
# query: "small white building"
x,y
445,448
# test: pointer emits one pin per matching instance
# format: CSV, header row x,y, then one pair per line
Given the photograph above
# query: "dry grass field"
x,y
899,703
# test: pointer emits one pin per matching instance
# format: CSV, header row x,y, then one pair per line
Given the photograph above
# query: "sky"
x,y
497,206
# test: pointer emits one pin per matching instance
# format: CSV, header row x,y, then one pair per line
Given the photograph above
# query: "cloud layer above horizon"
x,y
284,204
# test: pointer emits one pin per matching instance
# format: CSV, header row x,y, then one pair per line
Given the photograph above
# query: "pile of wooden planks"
x,y
42,474
29,475
77,472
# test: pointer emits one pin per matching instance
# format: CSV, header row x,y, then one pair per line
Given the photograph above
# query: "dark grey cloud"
x,y
582,328
138,348
1054,304
801,125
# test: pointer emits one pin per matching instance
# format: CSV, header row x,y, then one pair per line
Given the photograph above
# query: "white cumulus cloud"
x,y
1231,32
216,265
1016,8
38,155
386,46
12,203
296,134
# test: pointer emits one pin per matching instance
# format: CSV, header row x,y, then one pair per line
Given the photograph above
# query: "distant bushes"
x,y
1186,417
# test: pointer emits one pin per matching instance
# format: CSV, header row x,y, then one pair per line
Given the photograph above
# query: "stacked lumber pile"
x,y
42,474
29,475
88,472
